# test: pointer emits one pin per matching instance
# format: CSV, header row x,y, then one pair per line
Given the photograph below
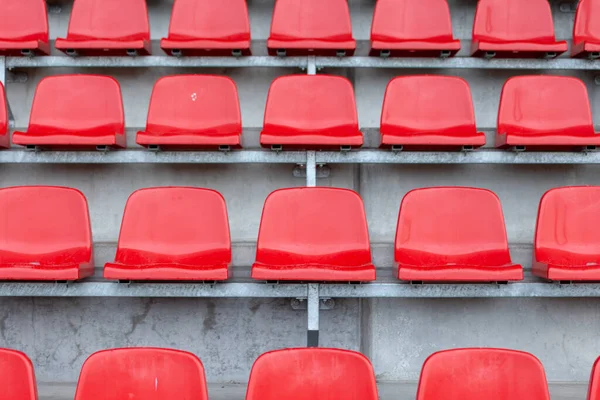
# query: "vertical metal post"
x,y
3,70
312,337
311,157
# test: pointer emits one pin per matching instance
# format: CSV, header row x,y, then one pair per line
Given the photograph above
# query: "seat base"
x,y
4,141
166,272
313,272
460,273
36,272
188,140
14,49
205,47
414,48
546,142
566,272
72,141
311,141
429,141
105,47
311,47
517,49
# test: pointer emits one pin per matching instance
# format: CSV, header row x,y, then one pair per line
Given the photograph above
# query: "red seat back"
x,y
502,21
17,377
23,20
587,23
475,374
444,225
313,226
142,373
428,104
566,232
226,20
89,105
312,374
594,386
44,224
109,19
545,105
175,225
202,104
427,20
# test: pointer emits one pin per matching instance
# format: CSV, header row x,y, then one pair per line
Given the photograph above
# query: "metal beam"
x,y
313,302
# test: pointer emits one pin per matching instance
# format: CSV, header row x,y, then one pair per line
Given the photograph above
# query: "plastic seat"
x,y
173,233
515,28
23,28
89,113
567,242
208,28
107,28
193,111
311,27
480,373
313,234
4,136
45,234
586,30
408,28
453,234
142,373
311,112
429,112
545,112
594,385
17,376
312,374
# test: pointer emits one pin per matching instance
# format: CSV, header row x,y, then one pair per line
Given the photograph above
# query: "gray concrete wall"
x,y
228,335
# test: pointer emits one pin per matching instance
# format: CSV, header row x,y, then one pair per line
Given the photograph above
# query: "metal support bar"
x,y
3,70
312,333
311,68
311,168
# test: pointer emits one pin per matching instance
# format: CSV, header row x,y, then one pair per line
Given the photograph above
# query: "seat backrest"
x,y
566,232
22,20
17,377
225,20
310,104
312,374
88,104
175,225
444,225
194,103
475,374
45,224
594,385
587,23
412,20
514,20
545,104
311,19
142,373
109,19
313,226
428,103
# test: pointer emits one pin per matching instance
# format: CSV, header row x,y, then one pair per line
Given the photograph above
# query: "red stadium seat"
x,y
515,28
17,376
107,28
23,28
142,373
586,31
408,28
173,233
311,111
312,374
545,112
4,136
594,386
311,27
313,234
45,234
193,111
453,234
429,112
89,113
567,241
208,28
475,374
